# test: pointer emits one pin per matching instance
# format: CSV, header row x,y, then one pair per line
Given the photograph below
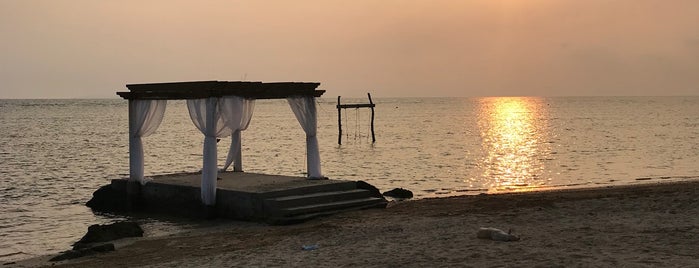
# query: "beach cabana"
x,y
218,109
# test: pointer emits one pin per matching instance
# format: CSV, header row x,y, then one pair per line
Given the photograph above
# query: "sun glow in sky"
x,y
392,48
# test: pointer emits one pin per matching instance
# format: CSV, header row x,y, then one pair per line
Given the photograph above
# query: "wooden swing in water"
x,y
340,106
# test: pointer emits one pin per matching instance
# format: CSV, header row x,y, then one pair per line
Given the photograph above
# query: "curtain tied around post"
x,y
236,112
145,117
217,118
206,117
304,109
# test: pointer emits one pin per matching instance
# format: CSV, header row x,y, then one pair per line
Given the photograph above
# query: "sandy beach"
x,y
650,225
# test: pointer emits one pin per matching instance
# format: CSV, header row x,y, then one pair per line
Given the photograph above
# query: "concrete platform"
x,y
243,181
251,196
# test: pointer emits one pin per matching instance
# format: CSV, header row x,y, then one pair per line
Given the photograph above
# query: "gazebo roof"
x,y
205,89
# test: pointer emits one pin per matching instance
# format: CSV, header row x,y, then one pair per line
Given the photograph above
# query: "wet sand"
x,y
650,225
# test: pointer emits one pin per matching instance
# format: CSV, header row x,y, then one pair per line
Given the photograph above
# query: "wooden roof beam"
x,y
205,89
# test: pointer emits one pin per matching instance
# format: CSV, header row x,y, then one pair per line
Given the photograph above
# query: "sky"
x,y
391,48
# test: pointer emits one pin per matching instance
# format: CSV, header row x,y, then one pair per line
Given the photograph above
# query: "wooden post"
x,y
339,121
133,187
373,138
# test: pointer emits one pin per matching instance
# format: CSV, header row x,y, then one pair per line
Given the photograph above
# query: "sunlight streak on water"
x,y
512,132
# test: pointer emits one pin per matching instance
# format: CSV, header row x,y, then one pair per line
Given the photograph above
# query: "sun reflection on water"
x,y
513,140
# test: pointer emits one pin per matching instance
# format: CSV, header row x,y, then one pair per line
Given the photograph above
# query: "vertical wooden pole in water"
x,y
373,138
339,121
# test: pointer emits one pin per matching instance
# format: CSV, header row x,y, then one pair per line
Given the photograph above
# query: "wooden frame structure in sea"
x,y
341,106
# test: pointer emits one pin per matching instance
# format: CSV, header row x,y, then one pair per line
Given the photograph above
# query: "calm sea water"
x,y
55,153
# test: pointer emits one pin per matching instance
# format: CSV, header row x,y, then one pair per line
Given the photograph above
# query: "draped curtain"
x,y
145,117
236,113
206,117
305,111
215,118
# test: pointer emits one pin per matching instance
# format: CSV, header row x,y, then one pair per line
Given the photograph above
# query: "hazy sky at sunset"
x,y
401,48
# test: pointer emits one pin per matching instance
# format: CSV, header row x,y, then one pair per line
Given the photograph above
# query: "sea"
x,y
55,153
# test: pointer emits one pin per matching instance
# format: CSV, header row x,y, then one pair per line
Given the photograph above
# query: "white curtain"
x,y
207,118
236,112
305,110
144,118
197,112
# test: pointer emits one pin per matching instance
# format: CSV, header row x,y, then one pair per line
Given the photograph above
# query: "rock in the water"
x,y
77,253
108,199
108,232
67,255
366,186
399,193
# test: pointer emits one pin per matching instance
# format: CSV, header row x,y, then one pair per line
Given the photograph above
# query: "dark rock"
x,y
210,212
108,232
77,253
108,199
67,255
103,248
366,186
399,193
133,194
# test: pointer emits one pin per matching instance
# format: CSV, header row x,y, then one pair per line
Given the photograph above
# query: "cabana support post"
x,y
305,111
209,170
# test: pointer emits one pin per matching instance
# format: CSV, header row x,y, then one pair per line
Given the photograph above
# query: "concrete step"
x,y
316,198
323,207
305,217
329,186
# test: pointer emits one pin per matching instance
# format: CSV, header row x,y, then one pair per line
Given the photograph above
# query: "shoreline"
x,y
646,224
